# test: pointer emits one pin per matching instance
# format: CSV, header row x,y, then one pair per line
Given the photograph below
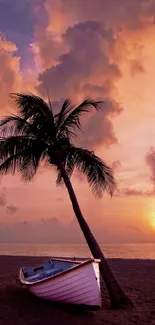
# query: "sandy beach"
x,y
17,306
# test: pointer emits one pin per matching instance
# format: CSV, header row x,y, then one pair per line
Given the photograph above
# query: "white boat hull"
x,y
80,285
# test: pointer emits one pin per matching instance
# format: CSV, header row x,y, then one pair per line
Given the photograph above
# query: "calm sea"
x,y
131,251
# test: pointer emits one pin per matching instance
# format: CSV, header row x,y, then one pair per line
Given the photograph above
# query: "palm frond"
x,y
65,109
98,174
12,146
33,107
15,125
22,154
30,163
68,162
10,164
72,121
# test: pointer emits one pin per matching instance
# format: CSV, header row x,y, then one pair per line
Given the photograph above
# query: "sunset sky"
x,y
103,49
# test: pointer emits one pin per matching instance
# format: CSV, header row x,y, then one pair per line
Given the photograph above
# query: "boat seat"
x,y
28,271
48,265
45,274
55,271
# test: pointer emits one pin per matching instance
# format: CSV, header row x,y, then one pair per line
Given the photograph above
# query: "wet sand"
x,y
19,307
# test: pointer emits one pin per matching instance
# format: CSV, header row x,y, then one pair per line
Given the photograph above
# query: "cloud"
x,y
122,17
89,43
47,230
134,192
115,165
53,231
81,52
2,200
26,223
98,129
72,72
47,44
10,71
59,199
20,28
120,14
11,209
150,160
133,228
136,67
46,49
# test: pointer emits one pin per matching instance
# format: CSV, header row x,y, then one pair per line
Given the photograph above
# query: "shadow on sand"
x,y
18,306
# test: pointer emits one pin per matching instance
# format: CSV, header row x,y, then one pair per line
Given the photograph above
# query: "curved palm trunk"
x,y
117,296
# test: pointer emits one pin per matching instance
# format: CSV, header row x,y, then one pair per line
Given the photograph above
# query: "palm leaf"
x,y
10,164
30,162
13,145
72,121
15,125
68,162
66,108
21,153
98,174
33,107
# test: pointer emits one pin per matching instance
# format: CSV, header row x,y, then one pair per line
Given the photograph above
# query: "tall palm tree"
x,y
34,135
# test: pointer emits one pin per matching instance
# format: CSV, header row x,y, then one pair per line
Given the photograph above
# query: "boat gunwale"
x,y
80,264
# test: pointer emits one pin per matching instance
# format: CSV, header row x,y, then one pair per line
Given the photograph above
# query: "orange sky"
x,y
78,51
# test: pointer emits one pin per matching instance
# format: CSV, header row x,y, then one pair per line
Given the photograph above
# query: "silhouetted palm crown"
x,y
37,134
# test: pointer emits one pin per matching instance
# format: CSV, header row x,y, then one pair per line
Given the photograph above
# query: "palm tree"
x,y
36,134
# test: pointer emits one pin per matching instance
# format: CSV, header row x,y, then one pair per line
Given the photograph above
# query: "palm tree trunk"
x,y
117,296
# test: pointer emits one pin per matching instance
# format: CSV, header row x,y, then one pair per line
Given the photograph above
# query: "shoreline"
x,y
18,306
77,258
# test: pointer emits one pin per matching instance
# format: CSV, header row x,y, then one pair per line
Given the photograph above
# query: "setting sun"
x,y
151,214
152,219
153,222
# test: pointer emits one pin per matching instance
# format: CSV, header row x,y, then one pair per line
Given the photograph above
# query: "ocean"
x,y
125,251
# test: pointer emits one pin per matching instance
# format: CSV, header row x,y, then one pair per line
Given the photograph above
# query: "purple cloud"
x,y
118,14
86,70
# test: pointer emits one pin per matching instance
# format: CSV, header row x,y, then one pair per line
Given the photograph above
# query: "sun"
x,y
151,215
153,222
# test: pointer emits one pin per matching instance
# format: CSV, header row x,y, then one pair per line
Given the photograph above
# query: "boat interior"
x,y
49,268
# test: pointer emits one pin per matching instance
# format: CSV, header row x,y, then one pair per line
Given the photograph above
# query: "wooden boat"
x,y
65,281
